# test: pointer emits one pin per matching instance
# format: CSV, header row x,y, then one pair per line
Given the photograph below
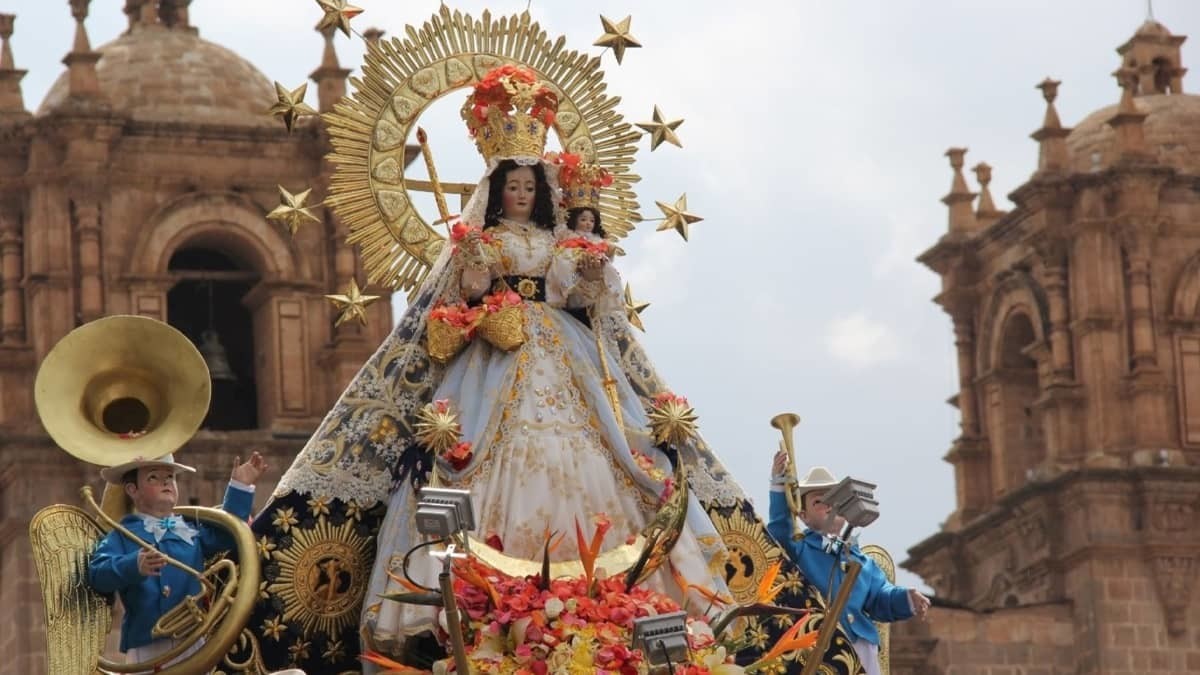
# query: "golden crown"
x,y
509,112
580,182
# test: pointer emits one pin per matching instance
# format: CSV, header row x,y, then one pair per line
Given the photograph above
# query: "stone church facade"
x,y
1075,545
139,186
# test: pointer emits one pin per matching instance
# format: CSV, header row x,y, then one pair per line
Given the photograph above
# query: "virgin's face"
x,y
585,221
520,189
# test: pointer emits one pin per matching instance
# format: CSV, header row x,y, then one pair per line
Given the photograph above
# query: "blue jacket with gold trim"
x,y
113,567
873,597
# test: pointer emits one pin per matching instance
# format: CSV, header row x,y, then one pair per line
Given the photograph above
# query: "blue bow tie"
x,y
159,527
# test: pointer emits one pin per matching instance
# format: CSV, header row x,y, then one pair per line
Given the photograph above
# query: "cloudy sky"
x,y
813,147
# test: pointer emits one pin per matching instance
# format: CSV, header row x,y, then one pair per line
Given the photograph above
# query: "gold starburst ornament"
x,y
293,210
437,426
353,304
672,419
290,105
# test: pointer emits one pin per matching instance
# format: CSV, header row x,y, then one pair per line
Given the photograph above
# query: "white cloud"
x,y
861,341
656,269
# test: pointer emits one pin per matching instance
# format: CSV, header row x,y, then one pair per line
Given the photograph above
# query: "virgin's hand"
x,y
592,268
150,562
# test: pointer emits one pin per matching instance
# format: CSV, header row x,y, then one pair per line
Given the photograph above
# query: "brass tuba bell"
x,y
122,387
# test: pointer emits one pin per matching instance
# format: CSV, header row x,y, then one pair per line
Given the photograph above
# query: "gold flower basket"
x,y
505,328
445,341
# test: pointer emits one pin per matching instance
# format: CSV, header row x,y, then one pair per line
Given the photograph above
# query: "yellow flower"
x,y
299,650
265,546
285,518
274,628
319,506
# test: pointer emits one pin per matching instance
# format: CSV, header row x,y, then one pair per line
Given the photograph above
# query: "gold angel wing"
x,y
884,559
77,618
402,77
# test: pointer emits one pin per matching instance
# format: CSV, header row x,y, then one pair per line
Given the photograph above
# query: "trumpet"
x,y
786,424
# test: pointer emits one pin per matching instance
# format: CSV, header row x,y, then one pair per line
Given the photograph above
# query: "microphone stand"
x,y
833,614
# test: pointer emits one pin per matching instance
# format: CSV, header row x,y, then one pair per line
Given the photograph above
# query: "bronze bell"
x,y
214,356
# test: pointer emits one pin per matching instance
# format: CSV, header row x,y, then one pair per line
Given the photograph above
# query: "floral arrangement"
x,y
584,624
488,251
598,248
494,302
534,626
458,315
459,455
581,181
510,87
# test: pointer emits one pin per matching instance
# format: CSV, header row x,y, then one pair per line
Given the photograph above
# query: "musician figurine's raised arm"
x,y
873,597
148,586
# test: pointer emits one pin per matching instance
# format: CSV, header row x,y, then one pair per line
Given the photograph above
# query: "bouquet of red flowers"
x,y
598,248
512,87
459,456
450,328
503,322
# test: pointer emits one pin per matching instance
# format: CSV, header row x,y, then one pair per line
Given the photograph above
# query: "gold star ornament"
x,y
290,106
293,210
352,303
677,216
616,36
634,309
661,130
337,15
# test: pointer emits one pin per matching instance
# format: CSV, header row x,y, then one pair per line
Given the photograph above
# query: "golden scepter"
x,y
438,195
610,385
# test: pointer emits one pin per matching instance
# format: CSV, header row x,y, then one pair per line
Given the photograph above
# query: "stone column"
x,y
12,322
1053,278
968,401
91,291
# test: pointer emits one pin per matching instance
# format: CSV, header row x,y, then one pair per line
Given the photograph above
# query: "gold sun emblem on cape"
x,y
750,553
403,77
322,576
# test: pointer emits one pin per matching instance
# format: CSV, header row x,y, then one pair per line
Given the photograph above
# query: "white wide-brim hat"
x,y
113,474
817,478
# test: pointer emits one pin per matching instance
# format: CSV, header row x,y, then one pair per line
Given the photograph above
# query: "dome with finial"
x,y
161,70
1151,67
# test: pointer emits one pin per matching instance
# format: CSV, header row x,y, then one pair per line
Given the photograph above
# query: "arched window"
x,y
205,305
1020,433
1162,76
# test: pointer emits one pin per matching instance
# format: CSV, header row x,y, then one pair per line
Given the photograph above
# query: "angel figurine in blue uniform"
x,y
147,586
873,598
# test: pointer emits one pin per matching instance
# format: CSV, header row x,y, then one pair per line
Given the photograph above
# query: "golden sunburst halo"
x,y
322,577
403,77
750,553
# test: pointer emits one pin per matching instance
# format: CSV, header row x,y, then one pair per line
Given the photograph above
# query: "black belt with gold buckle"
x,y
529,288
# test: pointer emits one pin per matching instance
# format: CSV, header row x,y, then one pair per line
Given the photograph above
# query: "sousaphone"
x,y
111,391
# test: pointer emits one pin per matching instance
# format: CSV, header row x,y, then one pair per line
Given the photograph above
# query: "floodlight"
x,y
662,638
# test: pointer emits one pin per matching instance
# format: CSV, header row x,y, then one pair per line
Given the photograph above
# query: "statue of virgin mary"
x,y
553,420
